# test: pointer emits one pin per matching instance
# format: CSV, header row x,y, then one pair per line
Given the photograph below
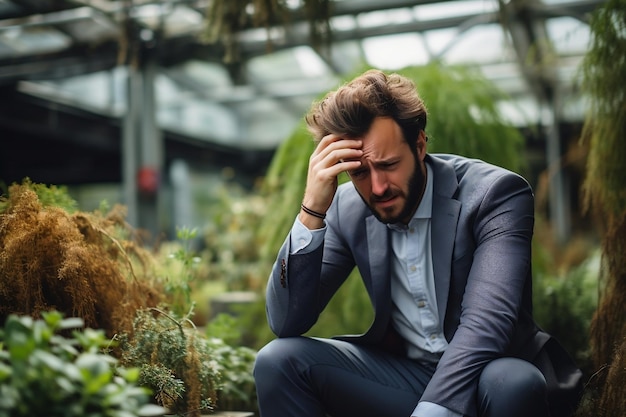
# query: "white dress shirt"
x,y
414,313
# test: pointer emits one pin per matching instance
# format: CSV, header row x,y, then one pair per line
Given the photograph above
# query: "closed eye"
x,y
387,165
358,173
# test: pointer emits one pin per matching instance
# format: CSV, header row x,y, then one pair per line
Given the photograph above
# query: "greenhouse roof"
x,y
75,55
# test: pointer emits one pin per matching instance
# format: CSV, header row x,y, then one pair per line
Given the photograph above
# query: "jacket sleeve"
x,y
501,224
301,284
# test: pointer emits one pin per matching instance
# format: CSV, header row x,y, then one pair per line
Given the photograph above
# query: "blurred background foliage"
x,y
235,249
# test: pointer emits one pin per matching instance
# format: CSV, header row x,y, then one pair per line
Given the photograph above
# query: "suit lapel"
x,y
443,233
445,216
378,252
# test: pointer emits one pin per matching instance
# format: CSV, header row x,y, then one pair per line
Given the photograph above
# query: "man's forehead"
x,y
381,150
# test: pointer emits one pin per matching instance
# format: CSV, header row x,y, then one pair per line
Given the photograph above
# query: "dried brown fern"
x,y
612,401
74,263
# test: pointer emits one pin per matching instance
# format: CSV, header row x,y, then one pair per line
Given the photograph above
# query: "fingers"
x,y
332,142
332,156
336,154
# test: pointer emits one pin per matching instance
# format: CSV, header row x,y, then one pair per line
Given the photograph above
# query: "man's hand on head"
x,y
332,156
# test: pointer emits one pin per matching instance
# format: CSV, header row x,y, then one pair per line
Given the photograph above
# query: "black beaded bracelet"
x,y
312,212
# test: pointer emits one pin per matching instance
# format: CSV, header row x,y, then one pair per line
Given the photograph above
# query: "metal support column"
x,y
129,145
559,212
150,153
142,145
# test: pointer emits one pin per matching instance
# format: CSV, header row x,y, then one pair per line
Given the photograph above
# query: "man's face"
x,y
391,179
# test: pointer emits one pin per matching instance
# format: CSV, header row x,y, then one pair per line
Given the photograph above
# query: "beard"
x,y
415,189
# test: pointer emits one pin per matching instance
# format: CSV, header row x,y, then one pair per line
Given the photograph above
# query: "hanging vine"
x,y
225,19
604,71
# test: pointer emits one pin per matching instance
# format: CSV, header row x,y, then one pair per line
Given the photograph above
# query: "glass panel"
x,y
395,51
32,41
481,44
568,35
447,9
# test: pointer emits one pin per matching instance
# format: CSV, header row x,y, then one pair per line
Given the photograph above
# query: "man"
x,y
443,245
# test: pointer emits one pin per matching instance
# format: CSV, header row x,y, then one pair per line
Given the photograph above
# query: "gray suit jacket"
x,y
482,226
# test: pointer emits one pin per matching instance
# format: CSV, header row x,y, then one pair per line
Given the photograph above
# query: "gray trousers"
x,y
308,377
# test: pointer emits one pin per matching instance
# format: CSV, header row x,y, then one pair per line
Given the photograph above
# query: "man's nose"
x,y
379,182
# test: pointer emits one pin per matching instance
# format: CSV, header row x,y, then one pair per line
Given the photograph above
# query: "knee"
x,y
276,358
268,356
512,381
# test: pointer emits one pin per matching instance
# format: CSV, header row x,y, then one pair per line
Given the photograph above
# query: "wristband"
x,y
313,212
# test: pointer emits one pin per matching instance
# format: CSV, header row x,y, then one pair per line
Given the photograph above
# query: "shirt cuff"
x,y
427,409
304,240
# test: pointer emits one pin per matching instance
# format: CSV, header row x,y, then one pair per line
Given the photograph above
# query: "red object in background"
x,y
148,180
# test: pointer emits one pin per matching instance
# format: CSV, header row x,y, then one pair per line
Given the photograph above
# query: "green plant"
x,y
231,242
564,304
48,196
463,115
175,360
235,363
86,265
43,373
180,268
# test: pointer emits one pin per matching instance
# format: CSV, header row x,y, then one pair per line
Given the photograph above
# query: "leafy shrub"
x,y
175,361
235,363
178,268
48,196
43,373
232,245
564,306
88,265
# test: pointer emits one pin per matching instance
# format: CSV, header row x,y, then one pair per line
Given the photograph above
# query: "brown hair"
x,y
351,109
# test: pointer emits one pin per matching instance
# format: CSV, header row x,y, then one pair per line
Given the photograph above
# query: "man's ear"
x,y
421,144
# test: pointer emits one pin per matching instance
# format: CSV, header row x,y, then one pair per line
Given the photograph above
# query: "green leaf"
x,y
71,323
48,360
